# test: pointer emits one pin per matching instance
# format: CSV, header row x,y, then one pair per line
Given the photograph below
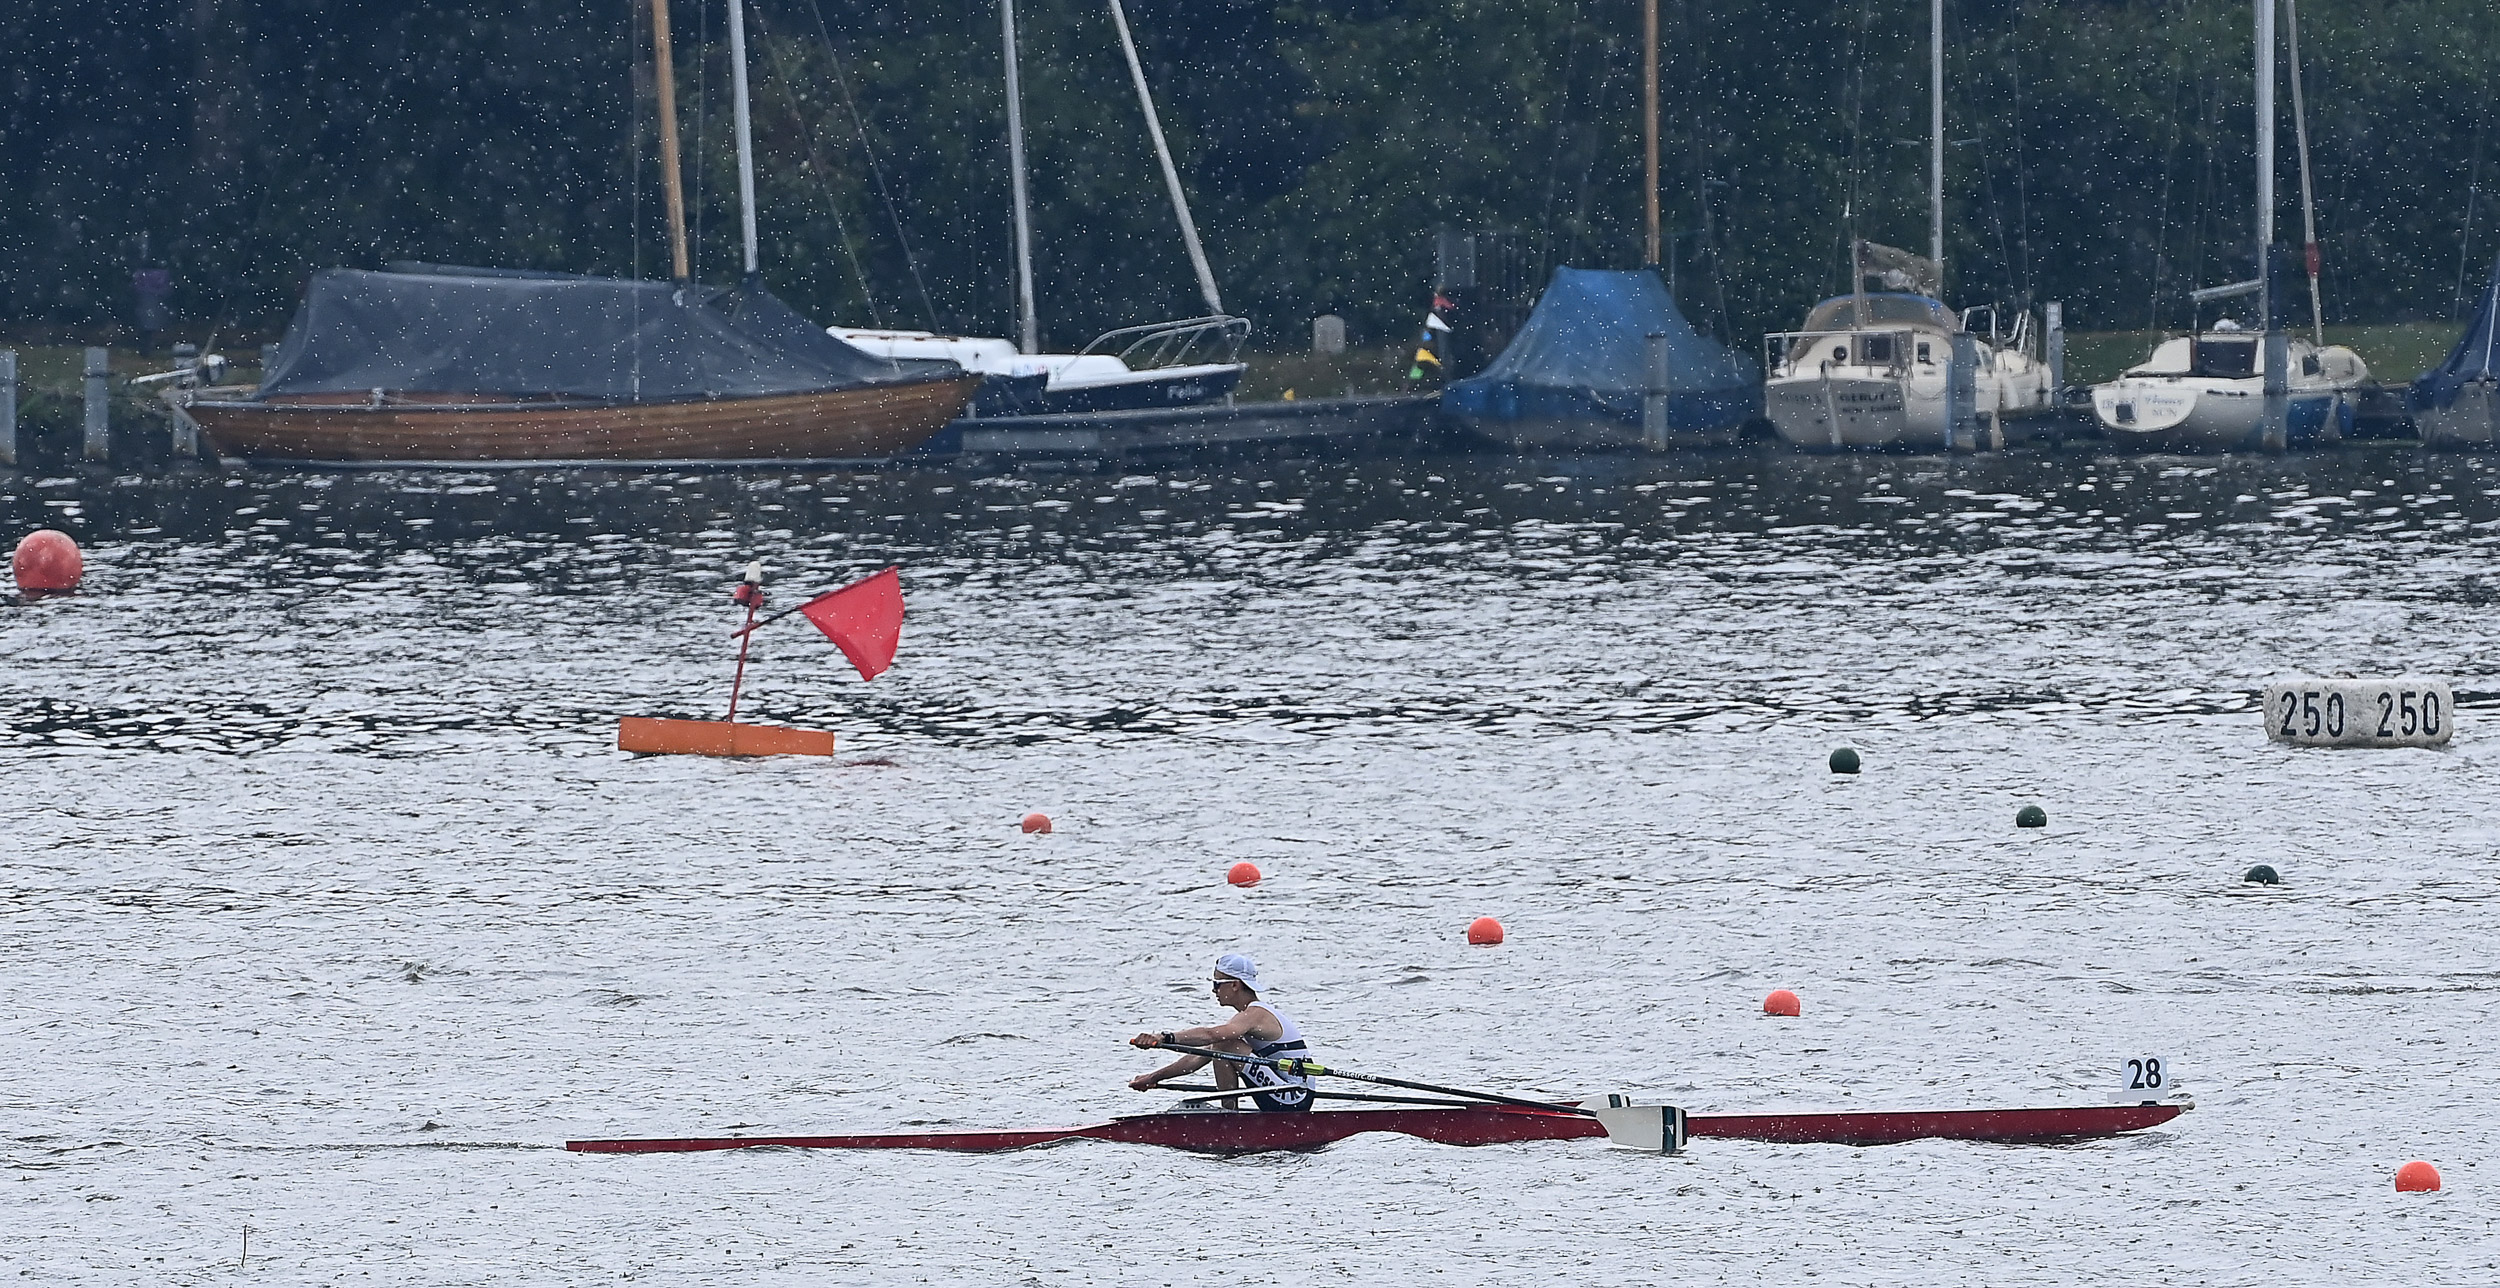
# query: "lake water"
x,y
330,909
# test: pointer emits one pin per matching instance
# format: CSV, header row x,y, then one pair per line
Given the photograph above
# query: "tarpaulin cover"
x,y
435,329
1583,355
863,619
2476,357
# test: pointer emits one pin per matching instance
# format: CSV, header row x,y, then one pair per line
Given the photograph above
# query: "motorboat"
x,y
1169,364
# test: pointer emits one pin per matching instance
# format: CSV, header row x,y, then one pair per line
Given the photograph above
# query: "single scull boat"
x,y
1230,1132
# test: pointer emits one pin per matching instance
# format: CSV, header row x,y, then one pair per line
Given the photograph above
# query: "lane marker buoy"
x,y
1037,822
47,562
2416,1177
1244,875
1484,931
1783,1003
2262,874
2031,816
1845,760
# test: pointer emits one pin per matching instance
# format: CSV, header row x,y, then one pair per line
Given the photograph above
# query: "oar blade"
x,y
1651,1129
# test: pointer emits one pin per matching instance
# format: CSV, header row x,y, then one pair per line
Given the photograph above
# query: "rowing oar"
x,y
1313,1068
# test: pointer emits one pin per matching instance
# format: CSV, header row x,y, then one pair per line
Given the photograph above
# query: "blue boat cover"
x,y
2476,357
1583,355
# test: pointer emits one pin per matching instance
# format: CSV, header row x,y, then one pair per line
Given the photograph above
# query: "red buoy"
x,y
1782,1002
1243,874
1037,822
47,562
2416,1177
1484,930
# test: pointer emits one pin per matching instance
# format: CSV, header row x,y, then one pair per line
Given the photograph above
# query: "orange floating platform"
x,y
652,736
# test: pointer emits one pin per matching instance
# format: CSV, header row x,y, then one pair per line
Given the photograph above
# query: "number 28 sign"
x,y
2144,1077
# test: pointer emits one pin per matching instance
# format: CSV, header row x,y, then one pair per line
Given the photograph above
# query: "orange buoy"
x,y
47,562
1037,822
2416,1177
653,736
1243,874
1782,1002
1484,931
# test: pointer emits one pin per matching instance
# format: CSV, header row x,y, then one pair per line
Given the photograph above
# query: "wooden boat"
x,y
871,421
1223,1132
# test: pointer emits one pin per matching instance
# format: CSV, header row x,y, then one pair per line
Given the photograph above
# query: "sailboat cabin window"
x,y
1875,350
1926,356
2309,364
2224,359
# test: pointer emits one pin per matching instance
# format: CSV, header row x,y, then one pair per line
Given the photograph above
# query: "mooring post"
x,y
99,443
2276,434
1654,389
186,430
2057,353
1961,393
8,406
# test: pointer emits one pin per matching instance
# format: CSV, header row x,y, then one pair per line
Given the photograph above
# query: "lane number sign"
x,y
2145,1077
2408,711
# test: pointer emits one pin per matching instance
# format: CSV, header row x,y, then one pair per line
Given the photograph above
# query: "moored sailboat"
x,y
2457,403
1893,367
426,363
2229,388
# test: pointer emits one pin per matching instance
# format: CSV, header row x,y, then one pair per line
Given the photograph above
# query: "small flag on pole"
x,y
863,619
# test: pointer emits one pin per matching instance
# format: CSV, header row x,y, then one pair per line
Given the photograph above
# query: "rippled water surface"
x,y
330,907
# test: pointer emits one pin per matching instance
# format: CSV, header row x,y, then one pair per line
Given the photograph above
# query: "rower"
x,y
1256,1029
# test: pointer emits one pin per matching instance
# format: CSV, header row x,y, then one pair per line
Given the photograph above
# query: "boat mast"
x,y
2308,201
2265,165
1171,177
672,180
1649,121
1029,323
746,132
1935,129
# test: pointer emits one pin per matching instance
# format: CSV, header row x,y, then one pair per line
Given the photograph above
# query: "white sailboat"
x,y
1162,364
1877,368
2229,387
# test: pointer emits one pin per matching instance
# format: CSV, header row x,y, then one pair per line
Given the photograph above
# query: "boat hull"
x,y
862,423
1249,1133
2472,419
2169,416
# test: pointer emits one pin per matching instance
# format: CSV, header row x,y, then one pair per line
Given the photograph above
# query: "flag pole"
x,y
750,592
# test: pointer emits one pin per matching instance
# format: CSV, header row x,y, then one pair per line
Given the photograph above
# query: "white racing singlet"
x,y
1286,1045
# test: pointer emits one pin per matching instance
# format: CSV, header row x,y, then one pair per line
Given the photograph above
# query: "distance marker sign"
x,y
2406,711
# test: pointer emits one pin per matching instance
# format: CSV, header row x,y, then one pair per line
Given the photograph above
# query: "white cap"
x,y
1240,967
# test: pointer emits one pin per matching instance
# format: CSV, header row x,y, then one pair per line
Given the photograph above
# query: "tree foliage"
x,y
2102,150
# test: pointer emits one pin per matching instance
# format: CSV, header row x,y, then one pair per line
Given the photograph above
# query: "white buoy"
x,y
2403,711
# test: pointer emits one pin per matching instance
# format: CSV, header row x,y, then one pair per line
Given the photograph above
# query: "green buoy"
x,y
1845,760
2031,816
2262,874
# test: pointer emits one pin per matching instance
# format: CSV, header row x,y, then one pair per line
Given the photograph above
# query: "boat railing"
x,y
1782,351
1175,344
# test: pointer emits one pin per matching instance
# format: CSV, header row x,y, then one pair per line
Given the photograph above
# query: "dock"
x,y
1345,426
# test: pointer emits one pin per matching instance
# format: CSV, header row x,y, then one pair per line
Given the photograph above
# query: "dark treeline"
x,y
2102,150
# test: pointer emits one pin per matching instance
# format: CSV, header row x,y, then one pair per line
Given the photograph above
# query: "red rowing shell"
x,y
1245,1133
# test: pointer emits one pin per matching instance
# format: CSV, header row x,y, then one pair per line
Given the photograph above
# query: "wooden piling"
x,y
8,406
98,439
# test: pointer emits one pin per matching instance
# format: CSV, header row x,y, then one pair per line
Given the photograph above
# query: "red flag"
x,y
863,619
